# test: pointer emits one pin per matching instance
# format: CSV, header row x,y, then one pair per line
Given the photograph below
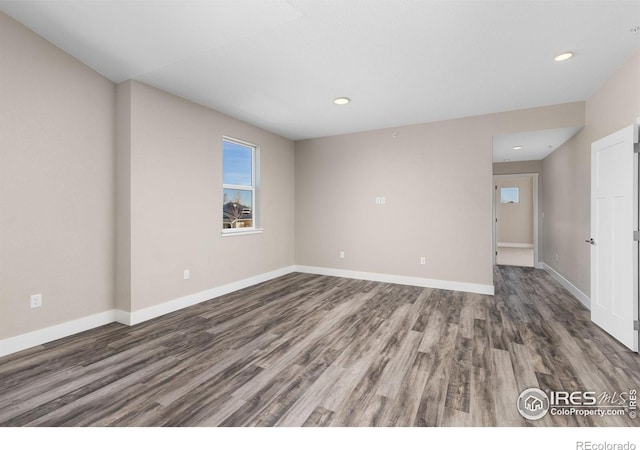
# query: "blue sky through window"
x,y
236,164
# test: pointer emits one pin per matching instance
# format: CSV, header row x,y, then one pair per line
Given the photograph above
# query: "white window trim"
x,y
240,231
255,229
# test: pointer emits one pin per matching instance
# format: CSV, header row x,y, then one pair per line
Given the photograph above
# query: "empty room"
x,y
319,214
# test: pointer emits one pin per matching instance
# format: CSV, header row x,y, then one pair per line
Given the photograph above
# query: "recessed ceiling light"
x,y
342,100
518,147
563,56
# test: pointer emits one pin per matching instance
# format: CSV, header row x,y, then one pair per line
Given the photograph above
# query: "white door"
x,y
614,252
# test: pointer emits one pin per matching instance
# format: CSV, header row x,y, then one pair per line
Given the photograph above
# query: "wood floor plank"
x,y
458,396
432,402
81,411
233,357
354,410
431,408
455,418
290,405
203,401
482,408
523,369
506,413
224,410
405,409
110,367
298,414
399,365
255,403
320,417
329,325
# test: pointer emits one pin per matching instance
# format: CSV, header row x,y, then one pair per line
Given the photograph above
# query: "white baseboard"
x,y
399,279
577,293
152,312
39,337
514,245
122,316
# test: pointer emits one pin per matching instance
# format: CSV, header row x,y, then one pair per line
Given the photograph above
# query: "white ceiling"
x,y
279,64
535,144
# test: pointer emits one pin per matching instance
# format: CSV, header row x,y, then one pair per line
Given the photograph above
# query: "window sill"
x,y
240,232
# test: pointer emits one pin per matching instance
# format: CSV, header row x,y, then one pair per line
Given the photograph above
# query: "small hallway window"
x,y
510,195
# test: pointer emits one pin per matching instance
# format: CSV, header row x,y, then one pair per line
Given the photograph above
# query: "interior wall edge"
x,y
142,315
577,293
49,334
459,286
39,337
44,335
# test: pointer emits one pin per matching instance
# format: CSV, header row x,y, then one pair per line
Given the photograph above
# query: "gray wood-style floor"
x,y
307,350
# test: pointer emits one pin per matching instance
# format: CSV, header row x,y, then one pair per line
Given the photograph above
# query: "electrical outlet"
x,y
383,200
423,260
186,275
36,301
341,255
378,200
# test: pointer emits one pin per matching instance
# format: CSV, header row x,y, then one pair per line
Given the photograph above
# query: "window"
x,y
239,186
510,195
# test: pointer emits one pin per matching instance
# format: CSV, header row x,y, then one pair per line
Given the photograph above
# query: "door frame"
x,y
536,238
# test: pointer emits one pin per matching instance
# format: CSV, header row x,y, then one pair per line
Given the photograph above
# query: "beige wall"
x,y
515,220
567,174
437,179
515,167
174,149
56,184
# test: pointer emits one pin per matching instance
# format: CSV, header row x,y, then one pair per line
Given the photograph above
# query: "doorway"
x,y
515,224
